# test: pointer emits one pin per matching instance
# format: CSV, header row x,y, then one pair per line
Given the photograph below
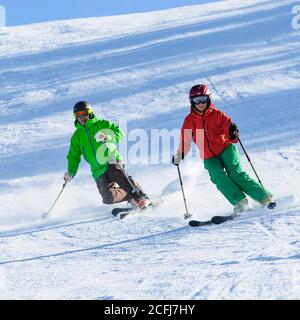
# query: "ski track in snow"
x,y
143,66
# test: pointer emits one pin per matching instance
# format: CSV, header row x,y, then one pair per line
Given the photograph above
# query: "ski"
x,y
198,223
221,219
116,211
122,213
213,220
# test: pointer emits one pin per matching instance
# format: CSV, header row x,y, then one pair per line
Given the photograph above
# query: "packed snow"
x,y
137,70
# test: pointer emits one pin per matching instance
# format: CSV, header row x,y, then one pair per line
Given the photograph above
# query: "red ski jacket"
x,y
209,131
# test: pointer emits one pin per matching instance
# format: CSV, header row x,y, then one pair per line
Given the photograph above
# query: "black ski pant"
x,y
114,187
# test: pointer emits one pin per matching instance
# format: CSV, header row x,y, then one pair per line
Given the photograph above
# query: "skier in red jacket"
x,y
215,134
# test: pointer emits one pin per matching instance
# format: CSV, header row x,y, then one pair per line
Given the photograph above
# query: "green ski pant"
x,y
227,174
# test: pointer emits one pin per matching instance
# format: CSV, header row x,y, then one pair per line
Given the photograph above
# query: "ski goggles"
x,y
200,99
81,114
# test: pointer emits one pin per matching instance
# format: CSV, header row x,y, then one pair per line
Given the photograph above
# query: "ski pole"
x,y
134,188
271,204
46,214
187,215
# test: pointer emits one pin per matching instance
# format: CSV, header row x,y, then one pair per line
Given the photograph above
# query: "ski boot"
x,y
268,202
142,203
242,206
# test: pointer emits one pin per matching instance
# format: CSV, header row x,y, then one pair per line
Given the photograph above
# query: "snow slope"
x,y
137,70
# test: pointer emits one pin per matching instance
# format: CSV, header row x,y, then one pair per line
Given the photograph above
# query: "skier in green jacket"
x,y
95,140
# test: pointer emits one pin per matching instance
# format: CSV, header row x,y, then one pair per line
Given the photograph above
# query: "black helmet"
x,y
81,106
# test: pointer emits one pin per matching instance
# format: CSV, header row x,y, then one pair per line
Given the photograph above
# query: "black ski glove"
x,y
233,131
177,158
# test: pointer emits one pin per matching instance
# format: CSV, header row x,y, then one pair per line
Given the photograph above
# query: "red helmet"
x,y
199,90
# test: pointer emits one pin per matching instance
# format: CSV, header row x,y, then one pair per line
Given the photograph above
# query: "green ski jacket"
x,y
95,153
